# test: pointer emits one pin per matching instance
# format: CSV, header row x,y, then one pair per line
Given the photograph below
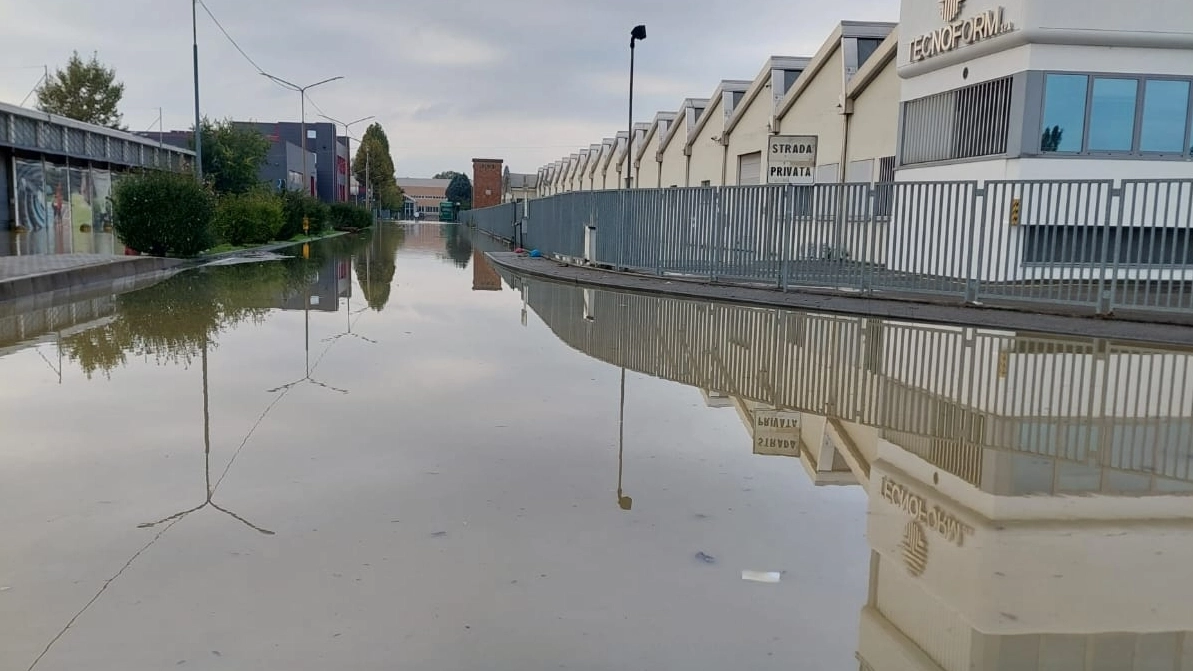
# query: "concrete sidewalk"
x,y
23,276
1009,317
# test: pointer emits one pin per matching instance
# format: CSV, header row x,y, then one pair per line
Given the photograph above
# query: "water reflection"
x,y
1029,496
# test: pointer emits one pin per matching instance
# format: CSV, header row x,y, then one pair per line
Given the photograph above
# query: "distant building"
x,y
327,161
423,197
520,187
329,174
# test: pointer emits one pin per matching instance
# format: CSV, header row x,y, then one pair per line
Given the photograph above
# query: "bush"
x,y
295,206
248,219
163,213
349,217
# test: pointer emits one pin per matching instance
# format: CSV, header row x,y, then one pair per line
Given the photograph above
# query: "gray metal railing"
x,y
1092,245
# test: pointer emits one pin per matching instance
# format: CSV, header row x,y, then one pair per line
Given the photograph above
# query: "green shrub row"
x,y
349,217
170,214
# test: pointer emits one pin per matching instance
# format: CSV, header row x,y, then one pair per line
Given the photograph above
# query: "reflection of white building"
x,y
1030,497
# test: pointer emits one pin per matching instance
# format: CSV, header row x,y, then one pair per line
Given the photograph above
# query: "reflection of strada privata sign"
x,y
791,159
959,32
776,433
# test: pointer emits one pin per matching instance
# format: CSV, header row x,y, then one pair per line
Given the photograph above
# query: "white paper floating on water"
x,y
770,577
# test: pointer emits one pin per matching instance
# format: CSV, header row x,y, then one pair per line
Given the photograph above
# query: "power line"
x,y
227,35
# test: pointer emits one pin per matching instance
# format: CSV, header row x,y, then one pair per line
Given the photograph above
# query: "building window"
x,y
964,123
1165,116
1086,114
1112,114
1064,113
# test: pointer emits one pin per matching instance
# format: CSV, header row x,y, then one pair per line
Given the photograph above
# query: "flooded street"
x,y
386,455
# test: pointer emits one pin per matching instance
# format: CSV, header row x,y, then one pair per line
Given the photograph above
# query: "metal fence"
x,y
1093,245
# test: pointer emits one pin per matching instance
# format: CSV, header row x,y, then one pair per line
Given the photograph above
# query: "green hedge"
x,y
248,219
348,217
163,213
295,206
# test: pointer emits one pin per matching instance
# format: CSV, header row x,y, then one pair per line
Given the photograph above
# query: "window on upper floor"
x,y
1116,114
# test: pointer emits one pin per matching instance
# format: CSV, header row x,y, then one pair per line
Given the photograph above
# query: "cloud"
x,y
526,80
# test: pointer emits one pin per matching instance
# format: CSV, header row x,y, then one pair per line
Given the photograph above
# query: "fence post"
x,y
624,199
718,234
785,226
980,221
1106,298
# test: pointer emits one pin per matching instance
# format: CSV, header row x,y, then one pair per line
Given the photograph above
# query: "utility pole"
x,y
198,128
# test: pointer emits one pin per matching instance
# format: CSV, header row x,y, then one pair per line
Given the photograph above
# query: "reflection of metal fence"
x,y
1081,415
1095,245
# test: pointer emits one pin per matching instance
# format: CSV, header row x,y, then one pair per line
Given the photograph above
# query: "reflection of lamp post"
x,y
306,309
623,502
302,92
207,468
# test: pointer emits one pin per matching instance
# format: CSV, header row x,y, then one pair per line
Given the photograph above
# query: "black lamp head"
x,y
638,33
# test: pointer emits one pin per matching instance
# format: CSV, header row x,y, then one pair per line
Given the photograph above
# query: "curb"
x,y
997,318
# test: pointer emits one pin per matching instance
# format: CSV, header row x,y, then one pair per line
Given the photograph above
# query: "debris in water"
x,y
770,577
439,534
4,589
706,558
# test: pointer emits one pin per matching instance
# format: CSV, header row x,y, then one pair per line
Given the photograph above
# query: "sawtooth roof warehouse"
x,y
983,91
959,89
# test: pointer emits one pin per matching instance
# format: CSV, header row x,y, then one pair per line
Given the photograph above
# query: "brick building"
x,y
486,182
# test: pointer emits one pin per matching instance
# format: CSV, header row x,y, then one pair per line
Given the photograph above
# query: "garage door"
x,y
749,168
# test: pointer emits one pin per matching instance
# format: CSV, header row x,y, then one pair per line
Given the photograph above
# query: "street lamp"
x,y
302,92
348,139
638,33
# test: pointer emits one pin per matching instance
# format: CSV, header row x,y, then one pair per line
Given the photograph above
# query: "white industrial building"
x,y
963,89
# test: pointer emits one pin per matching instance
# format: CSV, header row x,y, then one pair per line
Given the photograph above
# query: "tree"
x,y
374,161
232,156
460,191
83,91
447,174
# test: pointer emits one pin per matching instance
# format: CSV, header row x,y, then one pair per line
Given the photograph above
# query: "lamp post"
x,y
302,92
198,128
638,33
348,139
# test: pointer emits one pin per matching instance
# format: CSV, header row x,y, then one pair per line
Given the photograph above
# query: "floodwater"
x,y
387,456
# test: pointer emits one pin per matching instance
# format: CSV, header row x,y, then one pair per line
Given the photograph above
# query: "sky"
x,y
527,81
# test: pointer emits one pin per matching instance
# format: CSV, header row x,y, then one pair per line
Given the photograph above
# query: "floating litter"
x,y
770,577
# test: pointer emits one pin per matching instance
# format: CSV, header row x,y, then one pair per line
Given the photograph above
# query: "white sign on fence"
x,y
791,159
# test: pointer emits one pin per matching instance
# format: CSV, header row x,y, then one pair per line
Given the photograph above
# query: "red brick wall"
x,y
486,182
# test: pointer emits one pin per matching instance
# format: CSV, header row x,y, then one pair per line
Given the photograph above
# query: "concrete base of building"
x,y
1172,329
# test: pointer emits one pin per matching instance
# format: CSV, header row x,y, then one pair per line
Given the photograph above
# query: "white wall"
x,y
706,159
874,126
675,163
817,112
749,135
648,169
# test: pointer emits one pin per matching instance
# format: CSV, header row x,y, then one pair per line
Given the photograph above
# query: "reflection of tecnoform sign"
x,y
791,159
776,433
932,517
